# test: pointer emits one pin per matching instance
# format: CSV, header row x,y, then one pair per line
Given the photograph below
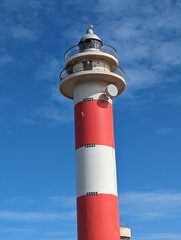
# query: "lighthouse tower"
x,y
92,78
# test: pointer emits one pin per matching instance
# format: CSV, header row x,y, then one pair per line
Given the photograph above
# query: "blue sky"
x,y
37,159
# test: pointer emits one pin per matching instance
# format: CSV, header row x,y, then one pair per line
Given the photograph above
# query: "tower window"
x,y
87,65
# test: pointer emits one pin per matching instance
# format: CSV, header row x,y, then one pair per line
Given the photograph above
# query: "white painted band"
x,y
96,170
90,89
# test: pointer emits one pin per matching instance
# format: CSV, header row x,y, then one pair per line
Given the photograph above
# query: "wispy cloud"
x,y
168,52
19,200
67,202
20,32
13,5
159,236
35,216
147,51
17,230
4,101
37,231
56,208
164,131
138,206
50,111
172,98
150,205
5,57
20,20
55,110
49,69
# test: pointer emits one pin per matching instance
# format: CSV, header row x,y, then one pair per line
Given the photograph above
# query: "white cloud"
x,y
4,101
56,96
58,208
29,120
20,20
145,34
150,205
138,206
56,108
20,200
141,77
37,230
158,236
164,131
17,230
178,3
65,202
49,69
169,53
5,57
147,37
171,98
36,216
14,5
21,32
52,112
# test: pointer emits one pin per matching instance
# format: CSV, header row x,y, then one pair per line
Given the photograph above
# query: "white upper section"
x,y
96,170
90,89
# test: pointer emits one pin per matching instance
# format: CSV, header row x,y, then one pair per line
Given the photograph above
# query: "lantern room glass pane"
x,y
90,44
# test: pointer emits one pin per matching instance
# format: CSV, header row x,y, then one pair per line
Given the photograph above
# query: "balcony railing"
x,y
70,70
105,48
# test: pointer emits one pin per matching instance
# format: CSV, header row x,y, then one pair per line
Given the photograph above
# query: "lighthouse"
x,y
92,78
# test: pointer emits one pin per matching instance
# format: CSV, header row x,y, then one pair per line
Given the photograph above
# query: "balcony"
x,y
81,68
104,49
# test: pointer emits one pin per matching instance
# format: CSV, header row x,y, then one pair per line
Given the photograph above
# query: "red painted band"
x,y
98,217
94,123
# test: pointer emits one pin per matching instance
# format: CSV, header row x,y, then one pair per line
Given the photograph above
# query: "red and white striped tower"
x,y
92,77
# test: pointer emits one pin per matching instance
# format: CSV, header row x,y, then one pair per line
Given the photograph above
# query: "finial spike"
x,y
90,28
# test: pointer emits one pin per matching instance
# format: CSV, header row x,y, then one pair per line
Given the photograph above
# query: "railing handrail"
x,y
105,48
67,71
